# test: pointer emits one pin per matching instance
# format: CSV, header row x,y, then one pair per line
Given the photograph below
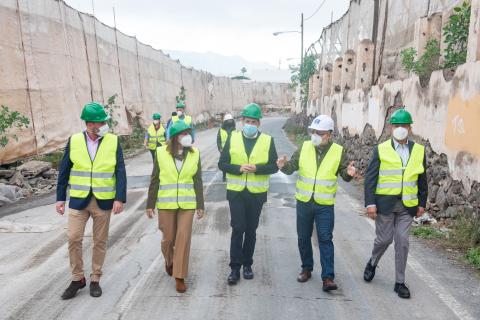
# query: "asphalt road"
x,y
34,267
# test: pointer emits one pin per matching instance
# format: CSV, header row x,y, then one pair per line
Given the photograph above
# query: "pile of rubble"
x,y
33,177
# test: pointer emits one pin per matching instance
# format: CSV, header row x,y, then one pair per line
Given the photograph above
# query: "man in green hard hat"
x,y
94,169
249,158
396,190
181,115
155,135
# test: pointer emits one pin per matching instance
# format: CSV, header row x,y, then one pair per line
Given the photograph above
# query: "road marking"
x,y
124,305
456,307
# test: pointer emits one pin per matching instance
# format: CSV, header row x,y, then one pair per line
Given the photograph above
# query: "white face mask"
x,y
103,130
400,133
179,113
316,139
186,141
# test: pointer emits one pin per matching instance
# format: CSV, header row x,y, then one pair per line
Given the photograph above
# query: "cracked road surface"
x,y
34,268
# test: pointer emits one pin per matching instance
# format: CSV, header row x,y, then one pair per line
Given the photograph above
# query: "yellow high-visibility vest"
x,y
223,137
176,188
319,181
254,183
155,136
394,178
97,175
186,119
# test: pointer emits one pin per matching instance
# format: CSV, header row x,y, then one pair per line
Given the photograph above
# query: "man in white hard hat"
x,y
318,162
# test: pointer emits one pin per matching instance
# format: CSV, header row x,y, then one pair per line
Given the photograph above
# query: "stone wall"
x,y
390,25
54,59
445,109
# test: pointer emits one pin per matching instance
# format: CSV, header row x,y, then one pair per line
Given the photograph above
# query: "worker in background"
x,y
249,158
181,115
155,135
176,190
94,168
174,113
396,190
319,162
228,125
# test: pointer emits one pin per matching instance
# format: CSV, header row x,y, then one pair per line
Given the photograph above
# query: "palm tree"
x,y
244,70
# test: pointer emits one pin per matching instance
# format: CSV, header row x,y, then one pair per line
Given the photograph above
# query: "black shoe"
x,y
247,272
95,289
72,289
402,290
369,272
234,277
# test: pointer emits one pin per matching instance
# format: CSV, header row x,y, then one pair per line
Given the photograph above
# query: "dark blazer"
x,y
225,165
385,203
79,203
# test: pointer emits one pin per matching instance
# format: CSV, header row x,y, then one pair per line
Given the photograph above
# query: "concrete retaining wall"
x,y
54,59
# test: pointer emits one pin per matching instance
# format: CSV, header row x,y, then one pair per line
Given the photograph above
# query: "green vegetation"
x,y
426,63
466,232
8,120
473,256
133,141
427,232
111,108
241,77
463,235
455,33
301,75
182,95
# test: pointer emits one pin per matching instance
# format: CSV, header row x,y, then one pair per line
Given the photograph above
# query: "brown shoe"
x,y
181,287
169,269
329,284
304,275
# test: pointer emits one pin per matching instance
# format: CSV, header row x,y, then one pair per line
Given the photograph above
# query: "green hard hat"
x,y
401,116
178,127
253,111
181,104
156,116
94,112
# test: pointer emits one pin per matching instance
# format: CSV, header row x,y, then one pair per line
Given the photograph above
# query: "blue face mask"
x,y
250,130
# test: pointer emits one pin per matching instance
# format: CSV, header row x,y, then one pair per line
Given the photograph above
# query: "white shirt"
x,y
402,150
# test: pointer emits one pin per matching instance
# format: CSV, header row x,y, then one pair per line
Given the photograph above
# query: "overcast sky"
x,y
241,27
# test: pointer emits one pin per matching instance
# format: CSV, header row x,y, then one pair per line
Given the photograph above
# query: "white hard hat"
x,y
227,116
322,123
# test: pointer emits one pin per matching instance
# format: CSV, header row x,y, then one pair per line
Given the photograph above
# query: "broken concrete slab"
x,y
34,168
6,173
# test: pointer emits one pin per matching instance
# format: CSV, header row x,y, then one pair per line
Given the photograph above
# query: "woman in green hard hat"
x,y
155,135
176,190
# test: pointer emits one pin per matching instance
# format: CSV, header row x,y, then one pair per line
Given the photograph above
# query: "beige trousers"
x,y
77,219
176,226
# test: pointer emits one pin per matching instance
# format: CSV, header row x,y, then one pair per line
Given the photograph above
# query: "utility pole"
x,y
301,27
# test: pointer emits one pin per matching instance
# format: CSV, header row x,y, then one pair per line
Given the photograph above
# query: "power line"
x,y
318,9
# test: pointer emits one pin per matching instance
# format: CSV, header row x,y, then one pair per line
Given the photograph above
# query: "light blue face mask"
x,y
250,130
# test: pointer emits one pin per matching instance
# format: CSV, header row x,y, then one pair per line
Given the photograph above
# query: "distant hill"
x,y
230,66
